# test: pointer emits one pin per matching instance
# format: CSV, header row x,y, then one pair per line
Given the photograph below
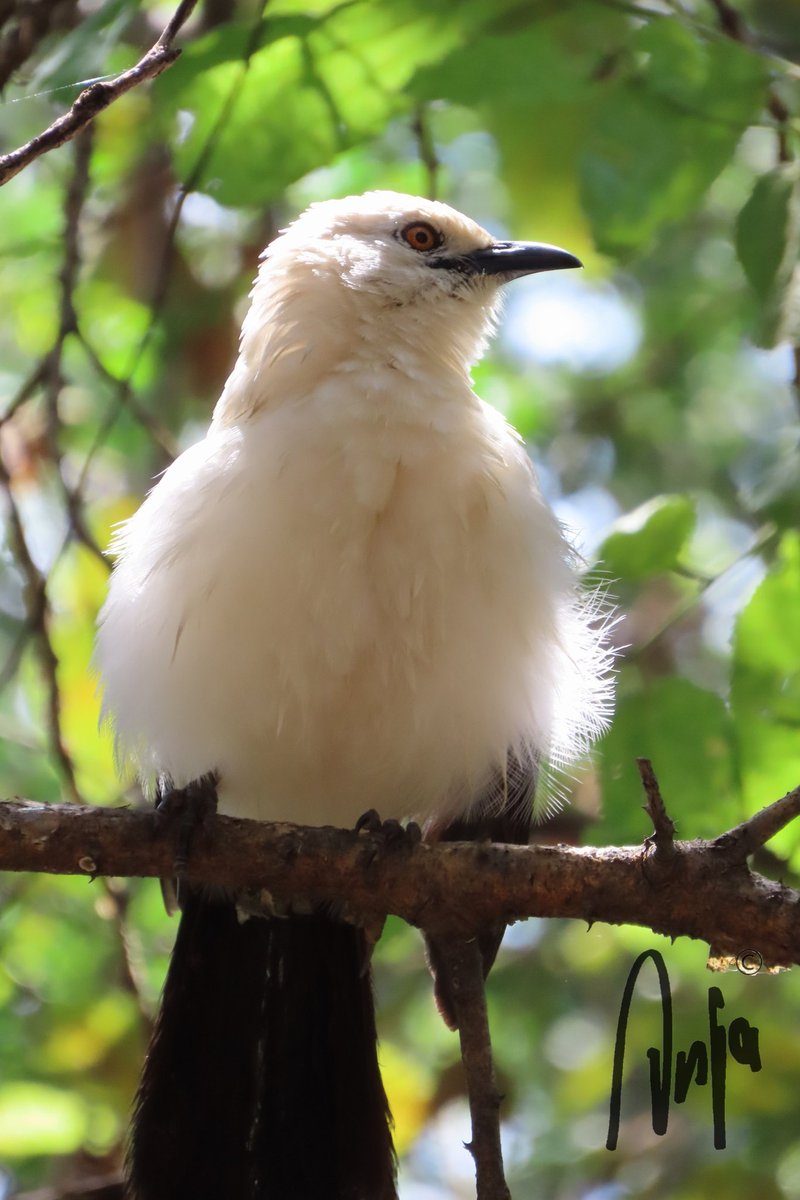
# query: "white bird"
x,y
350,594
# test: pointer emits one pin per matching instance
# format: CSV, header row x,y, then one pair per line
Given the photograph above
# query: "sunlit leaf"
x,y
648,540
664,125
408,1087
316,87
685,731
765,693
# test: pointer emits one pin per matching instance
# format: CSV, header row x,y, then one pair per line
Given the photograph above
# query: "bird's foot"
x,y
392,832
187,808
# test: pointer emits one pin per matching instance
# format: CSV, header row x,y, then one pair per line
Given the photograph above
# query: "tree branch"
x,y
98,96
464,963
704,890
701,889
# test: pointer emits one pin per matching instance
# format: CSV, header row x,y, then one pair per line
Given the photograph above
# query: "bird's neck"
x,y
290,348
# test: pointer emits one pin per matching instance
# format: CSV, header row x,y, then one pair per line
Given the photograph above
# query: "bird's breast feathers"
x,y
344,608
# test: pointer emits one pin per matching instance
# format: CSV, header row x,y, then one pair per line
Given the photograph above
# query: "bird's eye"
x,y
421,236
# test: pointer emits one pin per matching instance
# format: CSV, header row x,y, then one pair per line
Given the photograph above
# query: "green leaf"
x,y
663,130
765,693
685,730
317,87
648,540
768,246
531,82
229,43
528,66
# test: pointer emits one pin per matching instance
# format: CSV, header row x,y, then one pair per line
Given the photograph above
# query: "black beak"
x,y
511,258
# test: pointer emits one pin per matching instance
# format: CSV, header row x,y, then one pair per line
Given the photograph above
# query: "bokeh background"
x,y
658,391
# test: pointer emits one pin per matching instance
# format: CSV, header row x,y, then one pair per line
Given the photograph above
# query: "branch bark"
x,y
701,889
704,889
464,963
98,96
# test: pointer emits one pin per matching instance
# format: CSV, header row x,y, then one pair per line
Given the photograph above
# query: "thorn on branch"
x,y
663,835
703,895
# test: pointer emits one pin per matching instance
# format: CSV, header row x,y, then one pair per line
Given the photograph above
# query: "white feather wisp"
x,y
351,593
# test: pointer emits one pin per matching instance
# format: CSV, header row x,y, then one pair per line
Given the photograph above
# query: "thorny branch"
x,y
99,96
705,890
701,889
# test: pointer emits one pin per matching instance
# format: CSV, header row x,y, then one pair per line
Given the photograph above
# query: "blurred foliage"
x,y
656,140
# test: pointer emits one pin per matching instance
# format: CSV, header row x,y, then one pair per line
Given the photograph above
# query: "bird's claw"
x,y
368,822
391,831
188,808
386,834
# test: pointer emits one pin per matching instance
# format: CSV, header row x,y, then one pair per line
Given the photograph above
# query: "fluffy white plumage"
x,y
351,593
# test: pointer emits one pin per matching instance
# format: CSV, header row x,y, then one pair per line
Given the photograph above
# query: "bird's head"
x,y
406,250
380,277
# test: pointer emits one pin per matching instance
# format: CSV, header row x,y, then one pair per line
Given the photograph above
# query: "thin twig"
x,y
131,957
26,390
663,836
742,841
761,538
426,149
37,613
75,201
159,432
38,609
125,397
732,24
464,964
98,96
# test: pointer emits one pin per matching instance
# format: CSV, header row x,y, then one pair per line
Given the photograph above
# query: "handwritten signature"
x,y
690,1066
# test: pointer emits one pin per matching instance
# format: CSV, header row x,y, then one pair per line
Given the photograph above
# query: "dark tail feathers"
x,y
261,1080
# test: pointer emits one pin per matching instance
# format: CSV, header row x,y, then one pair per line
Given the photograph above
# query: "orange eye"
x,y
421,236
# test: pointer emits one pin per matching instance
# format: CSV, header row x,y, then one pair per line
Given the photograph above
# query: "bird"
x,y
350,594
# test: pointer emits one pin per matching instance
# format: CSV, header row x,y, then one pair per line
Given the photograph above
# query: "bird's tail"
x,y
262,1080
